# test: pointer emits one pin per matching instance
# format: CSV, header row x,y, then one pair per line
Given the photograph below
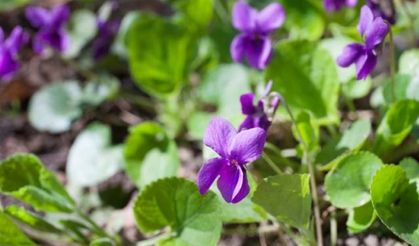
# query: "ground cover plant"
x,y
209,122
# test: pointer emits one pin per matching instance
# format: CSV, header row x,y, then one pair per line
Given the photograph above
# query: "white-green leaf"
x,y
92,159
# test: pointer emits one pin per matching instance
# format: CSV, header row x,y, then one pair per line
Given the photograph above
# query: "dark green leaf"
x,y
308,129
24,177
149,154
193,219
348,184
396,202
300,68
287,197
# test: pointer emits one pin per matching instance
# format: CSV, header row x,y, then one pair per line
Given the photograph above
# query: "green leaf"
x,y
361,218
190,15
396,125
348,184
355,135
287,197
149,154
100,89
6,5
245,211
222,87
10,234
352,139
31,219
158,52
300,68
24,177
55,106
304,19
101,161
411,167
82,28
102,242
308,129
193,219
396,202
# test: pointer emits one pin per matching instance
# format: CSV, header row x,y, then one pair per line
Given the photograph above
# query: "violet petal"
x,y
259,52
218,136
365,65
244,16
246,101
247,145
232,179
376,32
365,19
238,47
350,54
209,172
270,18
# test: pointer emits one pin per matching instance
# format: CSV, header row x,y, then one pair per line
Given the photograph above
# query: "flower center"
x,y
234,162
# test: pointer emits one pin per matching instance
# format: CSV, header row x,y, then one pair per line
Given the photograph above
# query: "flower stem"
x,y
392,65
271,164
309,162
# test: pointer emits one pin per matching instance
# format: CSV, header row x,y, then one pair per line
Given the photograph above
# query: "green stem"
x,y
281,158
309,162
392,65
333,229
271,164
153,241
93,226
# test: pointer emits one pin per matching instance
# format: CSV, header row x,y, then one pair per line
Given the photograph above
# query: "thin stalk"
x,y
333,229
309,162
278,153
95,228
271,163
392,65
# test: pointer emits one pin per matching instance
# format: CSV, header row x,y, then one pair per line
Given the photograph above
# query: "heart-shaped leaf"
x,y
176,203
92,159
287,197
10,234
396,201
348,184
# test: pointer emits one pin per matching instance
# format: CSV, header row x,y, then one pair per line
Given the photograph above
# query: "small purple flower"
x,y
259,115
253,43
9,49
373,30
388,13
336,5
102,43
235,149
51,27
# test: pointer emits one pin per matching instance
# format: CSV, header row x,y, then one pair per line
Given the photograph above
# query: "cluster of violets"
x,y
51,33
237,148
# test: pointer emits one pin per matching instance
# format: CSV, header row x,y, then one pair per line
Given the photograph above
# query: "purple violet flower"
x,y
388,13
235,149
51,27
373,30
336,5
253,43
103,42
259,115
9,49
